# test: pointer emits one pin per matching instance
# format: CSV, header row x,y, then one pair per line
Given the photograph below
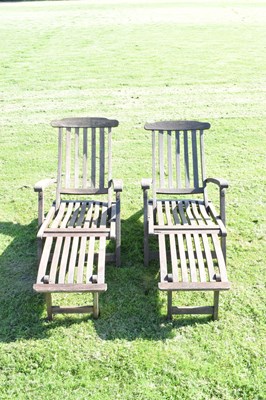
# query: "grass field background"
x,y
134,61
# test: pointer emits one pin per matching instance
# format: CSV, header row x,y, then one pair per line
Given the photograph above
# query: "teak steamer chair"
x,y
191,234
72,238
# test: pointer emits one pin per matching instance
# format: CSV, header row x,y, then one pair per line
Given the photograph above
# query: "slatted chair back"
x,y
84,156
177,157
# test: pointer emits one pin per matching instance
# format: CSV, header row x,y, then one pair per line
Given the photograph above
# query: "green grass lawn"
x,y
134,61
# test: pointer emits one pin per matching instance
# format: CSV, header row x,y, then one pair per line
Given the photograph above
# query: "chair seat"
x,y
79,218
184,216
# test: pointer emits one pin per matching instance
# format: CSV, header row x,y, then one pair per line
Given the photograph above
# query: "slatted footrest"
x,y
72,264
192,262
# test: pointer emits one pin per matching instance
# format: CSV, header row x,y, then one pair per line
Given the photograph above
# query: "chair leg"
x,y
48,298
96,310
169,305
216,305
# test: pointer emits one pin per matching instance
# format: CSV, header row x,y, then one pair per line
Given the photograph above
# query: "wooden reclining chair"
x,y
73,235
191,234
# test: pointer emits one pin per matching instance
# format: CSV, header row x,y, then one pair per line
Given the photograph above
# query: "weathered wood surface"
x,y
83,122
177,157
192,258
74,233
176,125
190,232
69,288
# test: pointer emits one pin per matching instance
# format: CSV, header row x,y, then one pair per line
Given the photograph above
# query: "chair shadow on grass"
x,y
131,308
20,310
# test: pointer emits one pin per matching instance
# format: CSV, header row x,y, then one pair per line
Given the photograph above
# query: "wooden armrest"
x,y
222,183
146,183
117,185
43,184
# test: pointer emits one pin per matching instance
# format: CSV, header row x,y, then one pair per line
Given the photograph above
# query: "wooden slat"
x,y
206,246
182,213
44,259
217,219
160,213
161,158
154,184
59,240
180,191
168,213
195,286
59,169
202,157
69,232
178,170
189,214
56,254
102,248
83,241
175,213
205,215
76,173
46,221
66,246
195,159
85,158
169,159
176,125
75,245
109,166
69,288
151,218
220,257
197,214
73,259
196,238
183,229
84,191
63,263
47,247
217,247
172,244
68,156
93,157
192,264
186,160
87,122
102,157
162,246
208,256
200,259
90,260
182,255
113,221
